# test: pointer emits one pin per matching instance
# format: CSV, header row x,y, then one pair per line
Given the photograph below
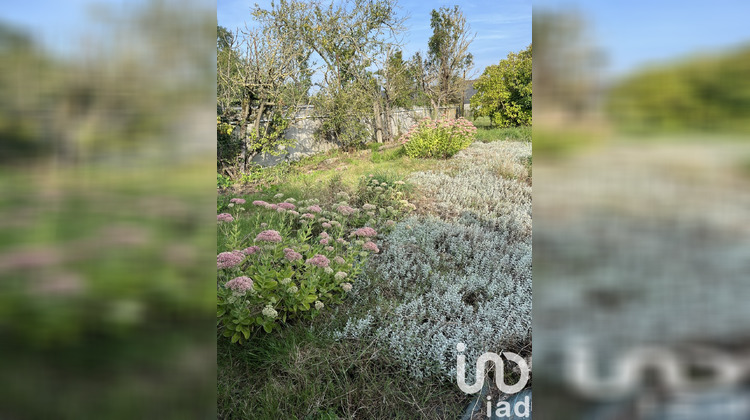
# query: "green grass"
x,y
486,133
312,177
299,373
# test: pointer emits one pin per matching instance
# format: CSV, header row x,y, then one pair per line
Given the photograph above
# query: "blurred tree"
x,y
504,91
565,66
24,71
701,93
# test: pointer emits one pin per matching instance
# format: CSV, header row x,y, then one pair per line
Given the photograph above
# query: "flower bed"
x,y
290,259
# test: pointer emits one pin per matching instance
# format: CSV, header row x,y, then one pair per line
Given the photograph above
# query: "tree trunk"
x,y
435,109
378,122
258,116
387,114
244,116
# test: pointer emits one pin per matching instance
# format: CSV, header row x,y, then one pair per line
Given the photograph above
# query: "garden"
x,y
371,215
346,280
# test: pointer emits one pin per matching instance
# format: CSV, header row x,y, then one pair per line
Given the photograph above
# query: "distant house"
x,y
469,91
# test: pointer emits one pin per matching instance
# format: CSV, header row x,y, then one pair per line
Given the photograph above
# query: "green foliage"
x,y
349,37
282,289
448,56
504,91
344,111
708,93
487,134
387,192
401,82
387,155
270,137
438,139
317,371
227,146
223,181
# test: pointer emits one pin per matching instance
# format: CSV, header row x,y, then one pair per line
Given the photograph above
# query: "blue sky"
x,y
62,26
502,26
637,33
631,33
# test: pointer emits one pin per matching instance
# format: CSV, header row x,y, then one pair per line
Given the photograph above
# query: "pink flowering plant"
x,y
276,266
439,139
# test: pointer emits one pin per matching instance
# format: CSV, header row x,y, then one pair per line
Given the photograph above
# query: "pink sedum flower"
x,y
339,260
345,210
315,209
367,232
260,203
224,217
291,254
229,259
238,201
370,246
308,216
269,236
324,241
287,206
240,284
251,250
327,225
318,261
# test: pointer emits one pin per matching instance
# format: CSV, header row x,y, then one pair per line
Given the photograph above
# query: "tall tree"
x,y
350,37
448,57
226,64
504,91
267,74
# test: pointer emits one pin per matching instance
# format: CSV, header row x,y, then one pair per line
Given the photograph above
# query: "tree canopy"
x,y
504,91
448,57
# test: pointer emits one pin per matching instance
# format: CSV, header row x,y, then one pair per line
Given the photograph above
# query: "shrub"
x,y
439,283
383,194
223,181
280,265
504,91
466,278
438,139
291,259
479,189
227,146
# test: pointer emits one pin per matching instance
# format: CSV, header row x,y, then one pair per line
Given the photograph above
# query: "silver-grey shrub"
x,y
476,185
437,284
461,275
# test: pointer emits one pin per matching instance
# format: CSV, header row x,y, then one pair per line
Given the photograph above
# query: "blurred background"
x,y
107,229
641,197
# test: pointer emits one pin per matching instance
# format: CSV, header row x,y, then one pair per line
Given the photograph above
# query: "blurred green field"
x,y
105,276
